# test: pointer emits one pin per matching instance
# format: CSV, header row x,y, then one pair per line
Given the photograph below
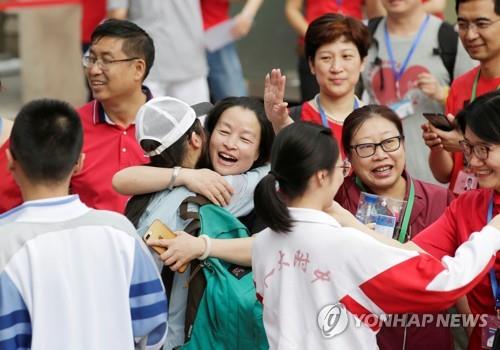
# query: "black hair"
x,y
482,117
360,115
299,151
136,41
496,2
254,105
169,158
333,26
46,140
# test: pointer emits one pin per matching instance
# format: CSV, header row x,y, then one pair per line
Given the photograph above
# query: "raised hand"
x,y
274,104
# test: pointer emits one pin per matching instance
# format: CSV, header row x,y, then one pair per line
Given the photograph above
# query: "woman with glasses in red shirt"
x,y
479,123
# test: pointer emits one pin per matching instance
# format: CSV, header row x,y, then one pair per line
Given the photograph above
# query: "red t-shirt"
x,y
93,12
458,98
108,148
214,12
309,114
465,215
317,8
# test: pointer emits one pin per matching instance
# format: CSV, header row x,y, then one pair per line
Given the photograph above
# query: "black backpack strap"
x,y
196,289
197,282
295,112
167,277
448,42
373,24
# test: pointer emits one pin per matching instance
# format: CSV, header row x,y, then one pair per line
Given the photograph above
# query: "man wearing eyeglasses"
x,y
478,24
119,59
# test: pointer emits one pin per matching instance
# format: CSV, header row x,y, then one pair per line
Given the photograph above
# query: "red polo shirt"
x,y
108,148
458,98
430,202
465,215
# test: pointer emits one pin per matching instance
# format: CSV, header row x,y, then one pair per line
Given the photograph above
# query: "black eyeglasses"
x,y
478,25
365,150
480,151
103,63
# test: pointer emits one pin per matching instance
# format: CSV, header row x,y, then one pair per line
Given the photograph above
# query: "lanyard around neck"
x,y
474,87
324,118
407,213
495,288
399,74
473,94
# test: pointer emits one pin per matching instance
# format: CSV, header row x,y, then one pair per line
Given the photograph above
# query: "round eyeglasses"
x,y
480,151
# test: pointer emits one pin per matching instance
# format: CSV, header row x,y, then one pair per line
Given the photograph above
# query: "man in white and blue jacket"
x,y
71,277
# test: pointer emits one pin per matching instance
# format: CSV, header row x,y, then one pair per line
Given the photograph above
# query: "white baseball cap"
x,y
166,119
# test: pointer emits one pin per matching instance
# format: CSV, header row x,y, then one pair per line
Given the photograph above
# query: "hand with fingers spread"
x,y
275,106
180,250
209,184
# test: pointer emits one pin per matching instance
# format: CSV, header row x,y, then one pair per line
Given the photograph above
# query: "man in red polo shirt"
x,y
479,29
120,57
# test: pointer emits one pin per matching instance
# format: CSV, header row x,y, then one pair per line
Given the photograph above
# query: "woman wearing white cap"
x,y
169,132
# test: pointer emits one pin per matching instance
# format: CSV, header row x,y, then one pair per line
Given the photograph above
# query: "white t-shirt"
x,y
354,279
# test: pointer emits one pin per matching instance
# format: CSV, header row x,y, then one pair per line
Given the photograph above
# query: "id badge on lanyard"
x,y
490,334
465,181
403,107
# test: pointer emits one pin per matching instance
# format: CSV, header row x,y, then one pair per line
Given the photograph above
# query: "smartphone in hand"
x,y
439,120
158,230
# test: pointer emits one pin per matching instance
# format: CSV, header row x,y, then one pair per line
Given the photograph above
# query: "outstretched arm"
x,y
243,21
293,13
185,247
146,179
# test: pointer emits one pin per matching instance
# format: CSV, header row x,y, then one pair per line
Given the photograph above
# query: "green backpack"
x,y
223,311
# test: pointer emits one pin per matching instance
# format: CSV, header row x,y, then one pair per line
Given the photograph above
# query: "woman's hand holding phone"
x,y
179,251
166,244
437,139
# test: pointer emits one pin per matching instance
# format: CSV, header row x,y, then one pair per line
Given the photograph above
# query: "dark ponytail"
x,y
267,192
298,152
172,156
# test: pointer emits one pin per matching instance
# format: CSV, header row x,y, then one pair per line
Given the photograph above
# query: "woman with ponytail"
x,y
325,286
